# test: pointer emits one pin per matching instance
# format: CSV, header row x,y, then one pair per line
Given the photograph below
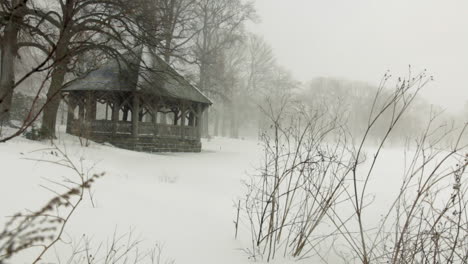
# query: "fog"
x,y
360,40
233,131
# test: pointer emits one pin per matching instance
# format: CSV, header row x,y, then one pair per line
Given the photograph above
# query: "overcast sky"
x,y
361,39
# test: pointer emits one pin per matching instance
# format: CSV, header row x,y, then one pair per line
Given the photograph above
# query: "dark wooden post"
x,y
154,117
90,107
191,119
176,116
200,121
80,126
182,120
162,106
115,114
86,128
135,114
154,114
140,115
81,113
71,112
205,131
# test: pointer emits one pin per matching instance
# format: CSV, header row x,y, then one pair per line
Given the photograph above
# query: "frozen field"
x,y
185,201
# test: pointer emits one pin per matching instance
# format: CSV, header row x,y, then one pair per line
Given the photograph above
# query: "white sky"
x,y
361,39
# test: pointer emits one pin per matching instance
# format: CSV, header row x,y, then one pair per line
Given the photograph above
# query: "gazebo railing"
x,y
164,130
106,127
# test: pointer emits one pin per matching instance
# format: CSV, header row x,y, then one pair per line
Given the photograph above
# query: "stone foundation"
x,y
149,143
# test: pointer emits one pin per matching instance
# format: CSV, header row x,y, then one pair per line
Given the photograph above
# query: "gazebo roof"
x,y
141,70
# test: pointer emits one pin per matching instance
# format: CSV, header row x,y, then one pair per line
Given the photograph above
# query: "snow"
x,y
182,200
185,201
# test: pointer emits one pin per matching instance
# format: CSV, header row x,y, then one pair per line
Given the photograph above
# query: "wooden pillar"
x,y
135,114
107,111
164,118
71,113
200,121
81,113
176,117
205,131
80,125
182,120
162,106
93,106
191,119
90,106
115,114
125,112
154,117
140,115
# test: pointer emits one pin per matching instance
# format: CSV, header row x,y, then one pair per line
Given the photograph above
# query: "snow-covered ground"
x,y
185,201
182,200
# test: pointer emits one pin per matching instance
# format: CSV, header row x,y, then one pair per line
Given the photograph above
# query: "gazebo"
x,y
137,102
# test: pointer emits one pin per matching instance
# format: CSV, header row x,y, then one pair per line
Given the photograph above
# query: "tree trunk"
x,y
224,123
234,122
203,86
9,48
61,58
205,131
216,123
167,47
49,118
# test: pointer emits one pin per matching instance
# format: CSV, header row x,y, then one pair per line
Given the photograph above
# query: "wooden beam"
x,y
154,116
71,112
135,114
191,119
81,114
115,114
90,106
182,119
200,121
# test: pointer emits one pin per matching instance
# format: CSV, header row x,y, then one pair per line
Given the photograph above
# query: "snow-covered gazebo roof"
x,y
139,70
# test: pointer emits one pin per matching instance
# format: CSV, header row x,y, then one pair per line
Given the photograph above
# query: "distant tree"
x,y
245,76
260,64
229,80
177,18
220,24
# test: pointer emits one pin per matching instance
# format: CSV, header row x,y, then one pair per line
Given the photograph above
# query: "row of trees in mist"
x,y
47,44
352,101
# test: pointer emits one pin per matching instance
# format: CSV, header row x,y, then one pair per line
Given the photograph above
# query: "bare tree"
x,y
11,14
82,26
64,31
177,19
220,25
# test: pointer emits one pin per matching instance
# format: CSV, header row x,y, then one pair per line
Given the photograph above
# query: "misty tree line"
x,y
352,100
45,45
